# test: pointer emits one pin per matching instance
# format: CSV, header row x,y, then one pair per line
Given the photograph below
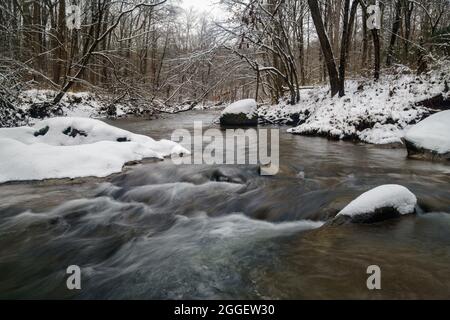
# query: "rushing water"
x,y
195,231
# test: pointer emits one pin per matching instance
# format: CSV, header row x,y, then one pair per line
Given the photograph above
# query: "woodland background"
x,y
264,49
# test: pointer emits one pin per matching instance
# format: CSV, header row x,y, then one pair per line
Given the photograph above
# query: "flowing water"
x,y
196,231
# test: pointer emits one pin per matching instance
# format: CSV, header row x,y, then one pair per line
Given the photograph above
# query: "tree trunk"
x,y
59,53
349,20
395,29
325,45
365,40
377,53
407,12
344,48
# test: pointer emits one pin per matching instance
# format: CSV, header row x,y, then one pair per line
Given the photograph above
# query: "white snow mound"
x,y
389,195
246,106
72,148
433,133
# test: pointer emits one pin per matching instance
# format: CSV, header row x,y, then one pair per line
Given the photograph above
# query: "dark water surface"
x,y
163,231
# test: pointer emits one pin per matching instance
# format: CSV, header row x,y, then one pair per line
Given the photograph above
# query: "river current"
x,y
159,230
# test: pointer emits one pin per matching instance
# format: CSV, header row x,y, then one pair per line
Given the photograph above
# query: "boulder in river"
x,y
379,204
240,113
430,138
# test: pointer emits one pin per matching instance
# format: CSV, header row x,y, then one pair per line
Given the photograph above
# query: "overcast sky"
x,y
208,6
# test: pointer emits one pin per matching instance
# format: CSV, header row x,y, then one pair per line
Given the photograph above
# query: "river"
x,y
161,231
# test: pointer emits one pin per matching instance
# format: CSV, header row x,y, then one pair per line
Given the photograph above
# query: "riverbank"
x,y
372,112
33,105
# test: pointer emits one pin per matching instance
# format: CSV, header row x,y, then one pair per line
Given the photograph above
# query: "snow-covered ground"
x,y
88,105
378,112
373,112
84,104
74,147
79,104
385,196
432,134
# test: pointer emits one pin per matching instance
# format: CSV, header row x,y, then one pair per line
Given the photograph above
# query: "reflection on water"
x,y
164,231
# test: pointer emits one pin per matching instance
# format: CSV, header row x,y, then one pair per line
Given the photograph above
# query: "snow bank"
x,y
30,106
374,112
392,196
381,134
246,106
73,147
84,104
73,104
432,134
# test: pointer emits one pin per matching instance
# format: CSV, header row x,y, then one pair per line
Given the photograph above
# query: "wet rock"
x,y
238,120
418,153
222,175
294,120
73,132
111,111
377,215
42,132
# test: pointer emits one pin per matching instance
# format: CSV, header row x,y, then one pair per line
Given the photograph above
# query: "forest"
x,y
159,51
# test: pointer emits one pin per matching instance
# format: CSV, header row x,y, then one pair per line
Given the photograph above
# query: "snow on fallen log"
x,y
72,148
430,138
381,203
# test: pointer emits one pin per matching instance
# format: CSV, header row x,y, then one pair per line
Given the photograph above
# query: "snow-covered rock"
x,y
240,113
430,138
381,203
376,112
74,147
